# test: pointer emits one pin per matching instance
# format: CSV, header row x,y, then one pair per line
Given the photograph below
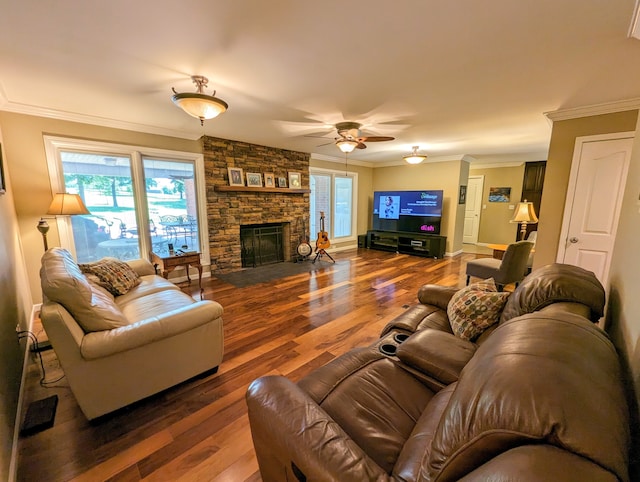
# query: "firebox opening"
x,y
262,244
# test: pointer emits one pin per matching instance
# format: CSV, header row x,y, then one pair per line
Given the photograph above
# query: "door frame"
x,y
573,179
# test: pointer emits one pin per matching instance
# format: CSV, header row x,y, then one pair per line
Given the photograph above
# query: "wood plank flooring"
x,y
199,431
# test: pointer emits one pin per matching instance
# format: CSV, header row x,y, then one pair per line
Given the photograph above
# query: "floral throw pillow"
x,y
475,308
114,275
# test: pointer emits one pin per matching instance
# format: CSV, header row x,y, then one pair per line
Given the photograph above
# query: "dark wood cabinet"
x,y
427,245
532,185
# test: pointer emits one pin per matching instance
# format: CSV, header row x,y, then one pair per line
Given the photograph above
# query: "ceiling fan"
x,y
350,137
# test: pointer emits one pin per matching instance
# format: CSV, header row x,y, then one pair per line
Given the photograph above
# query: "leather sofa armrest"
x,y
437,354
436,295
290,429
142,267
539,462
100,344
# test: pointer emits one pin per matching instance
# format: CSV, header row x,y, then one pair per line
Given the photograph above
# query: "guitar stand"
x,y
320,253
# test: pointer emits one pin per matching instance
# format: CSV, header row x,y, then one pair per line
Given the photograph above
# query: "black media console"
x,y
428,245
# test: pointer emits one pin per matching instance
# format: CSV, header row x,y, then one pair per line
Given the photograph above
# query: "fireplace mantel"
x,y
280,190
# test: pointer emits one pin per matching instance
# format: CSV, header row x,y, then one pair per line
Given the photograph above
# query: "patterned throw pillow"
x,y
114,275
475,308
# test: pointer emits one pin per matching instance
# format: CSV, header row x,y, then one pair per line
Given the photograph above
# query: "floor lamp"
x,y
63,204
524,214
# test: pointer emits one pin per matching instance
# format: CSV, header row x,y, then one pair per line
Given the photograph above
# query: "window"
x,y
140,199
334,194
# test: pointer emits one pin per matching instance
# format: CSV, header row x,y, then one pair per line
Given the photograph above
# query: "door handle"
x,y
573,240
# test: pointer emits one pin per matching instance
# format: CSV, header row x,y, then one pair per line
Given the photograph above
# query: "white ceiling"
x,y
457,77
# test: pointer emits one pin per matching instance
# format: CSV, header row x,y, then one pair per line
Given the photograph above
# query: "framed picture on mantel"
x,y
235,176
282,182
295,180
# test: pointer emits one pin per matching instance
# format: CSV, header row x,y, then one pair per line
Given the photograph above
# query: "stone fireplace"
x,y
229,209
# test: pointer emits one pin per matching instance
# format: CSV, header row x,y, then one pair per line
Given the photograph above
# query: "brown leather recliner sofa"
x,y
539,396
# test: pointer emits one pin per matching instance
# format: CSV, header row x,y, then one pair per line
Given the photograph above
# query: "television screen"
x,y
407,211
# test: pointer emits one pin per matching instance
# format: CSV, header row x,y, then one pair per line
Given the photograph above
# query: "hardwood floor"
x,y
199,431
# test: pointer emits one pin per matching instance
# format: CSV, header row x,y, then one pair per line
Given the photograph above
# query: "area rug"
x,y
270,272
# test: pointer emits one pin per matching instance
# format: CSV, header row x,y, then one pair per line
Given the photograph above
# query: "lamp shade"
x,y
201,106
414,157
67,204
524,213
198,104
346,145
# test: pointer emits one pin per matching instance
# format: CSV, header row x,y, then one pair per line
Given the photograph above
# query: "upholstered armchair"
x,y
510,269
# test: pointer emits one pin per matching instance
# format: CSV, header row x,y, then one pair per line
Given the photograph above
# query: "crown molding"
x,y
341,160
494,165
595,109
26,109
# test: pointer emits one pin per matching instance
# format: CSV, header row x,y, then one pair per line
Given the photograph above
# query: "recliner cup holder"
x,y
400,337
388,349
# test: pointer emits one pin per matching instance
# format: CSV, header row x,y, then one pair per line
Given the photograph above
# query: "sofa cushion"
x,y
63,282
115,275
475,308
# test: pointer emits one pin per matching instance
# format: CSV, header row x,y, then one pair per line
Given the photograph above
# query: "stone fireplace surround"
x,y
227,211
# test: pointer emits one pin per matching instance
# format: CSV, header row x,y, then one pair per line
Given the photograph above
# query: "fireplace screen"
x,y
261,244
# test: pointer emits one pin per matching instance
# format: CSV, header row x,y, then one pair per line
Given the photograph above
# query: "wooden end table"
x,y
166,264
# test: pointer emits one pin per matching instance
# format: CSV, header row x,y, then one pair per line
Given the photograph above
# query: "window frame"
x,y
137,154
335,173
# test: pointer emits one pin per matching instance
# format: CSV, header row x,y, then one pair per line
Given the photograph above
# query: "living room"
x,y
29,192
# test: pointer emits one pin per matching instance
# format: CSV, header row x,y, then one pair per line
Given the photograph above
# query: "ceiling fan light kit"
x,y
198,104
414,157
346,145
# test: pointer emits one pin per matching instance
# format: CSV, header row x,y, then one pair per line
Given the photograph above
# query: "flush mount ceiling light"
x,y
346,145
414,157
198,104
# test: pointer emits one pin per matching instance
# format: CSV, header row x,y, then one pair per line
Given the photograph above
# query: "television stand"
x,y
427,245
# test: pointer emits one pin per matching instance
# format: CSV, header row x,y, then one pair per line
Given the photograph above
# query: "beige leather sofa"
x,y
115,350
540,397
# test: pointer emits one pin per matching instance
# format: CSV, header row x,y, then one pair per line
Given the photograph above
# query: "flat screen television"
x,y
407,211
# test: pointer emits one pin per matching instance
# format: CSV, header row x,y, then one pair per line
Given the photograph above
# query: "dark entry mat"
x,y
270,272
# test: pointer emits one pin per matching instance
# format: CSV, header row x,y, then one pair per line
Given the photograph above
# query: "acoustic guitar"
x,y
323,237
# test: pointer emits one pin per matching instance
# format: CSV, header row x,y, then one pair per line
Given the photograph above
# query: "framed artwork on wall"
x,y
499,194
235,176
462,196
295,180
282,182
269,180
254,179
3,187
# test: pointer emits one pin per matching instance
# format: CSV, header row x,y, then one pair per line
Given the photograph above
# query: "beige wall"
x,y
623,304
436,175
15,306
494,220
563,137
365,193
23,140
623,311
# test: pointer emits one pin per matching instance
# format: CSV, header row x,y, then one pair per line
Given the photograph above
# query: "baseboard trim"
x,y
13,463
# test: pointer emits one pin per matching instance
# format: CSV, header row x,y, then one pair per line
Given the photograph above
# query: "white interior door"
x,y
594,196
473,208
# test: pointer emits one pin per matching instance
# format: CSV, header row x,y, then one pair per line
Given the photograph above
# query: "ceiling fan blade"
x,y
376,138
361,146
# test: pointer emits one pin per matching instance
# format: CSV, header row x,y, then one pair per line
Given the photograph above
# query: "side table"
x,y
166,264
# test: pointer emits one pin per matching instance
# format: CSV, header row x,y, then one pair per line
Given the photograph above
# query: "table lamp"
x,y
63,204
524,214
